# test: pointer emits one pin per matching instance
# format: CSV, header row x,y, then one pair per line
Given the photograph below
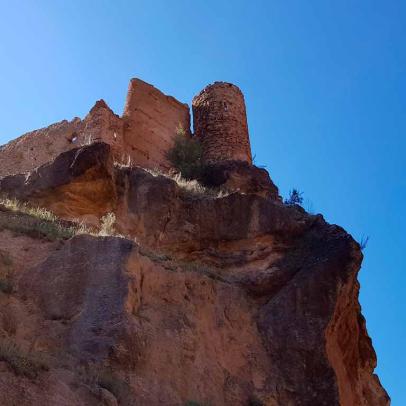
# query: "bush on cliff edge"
x,y
186,155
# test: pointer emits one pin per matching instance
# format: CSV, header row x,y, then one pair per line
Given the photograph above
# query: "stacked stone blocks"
x,y
220,123
145,132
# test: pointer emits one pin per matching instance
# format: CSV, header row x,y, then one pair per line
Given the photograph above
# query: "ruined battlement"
x,y
145,132
220,123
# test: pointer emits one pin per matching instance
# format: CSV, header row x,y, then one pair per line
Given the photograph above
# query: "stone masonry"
x,y
220,123
151,120
145,132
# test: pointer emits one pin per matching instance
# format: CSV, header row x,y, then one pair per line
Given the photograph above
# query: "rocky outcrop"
x,y
232,299
240,176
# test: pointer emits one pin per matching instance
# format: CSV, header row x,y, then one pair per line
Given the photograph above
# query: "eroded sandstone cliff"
x,y
215,295
222,300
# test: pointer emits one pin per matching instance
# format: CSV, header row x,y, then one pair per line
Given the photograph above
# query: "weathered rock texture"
x,y
221,300
220,122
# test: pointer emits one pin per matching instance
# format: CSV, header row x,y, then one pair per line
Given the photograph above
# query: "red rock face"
x,y
220,123
230,300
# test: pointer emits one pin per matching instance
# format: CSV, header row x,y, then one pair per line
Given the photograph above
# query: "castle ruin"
x,y
145,132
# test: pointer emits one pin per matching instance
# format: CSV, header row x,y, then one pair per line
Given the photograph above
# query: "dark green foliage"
x,y
186,156
295,197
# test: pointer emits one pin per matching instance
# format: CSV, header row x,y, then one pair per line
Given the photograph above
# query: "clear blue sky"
x,y
325,86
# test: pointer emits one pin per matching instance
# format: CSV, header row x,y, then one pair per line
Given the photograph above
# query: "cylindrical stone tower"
x,y
220,123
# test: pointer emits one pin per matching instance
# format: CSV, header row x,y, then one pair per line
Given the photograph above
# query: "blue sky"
x,y
325,86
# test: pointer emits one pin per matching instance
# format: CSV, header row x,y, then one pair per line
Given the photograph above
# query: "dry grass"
x,y
192,187
107,225
38,222
87,140
27,225
41,222
23,363
17,206
126,162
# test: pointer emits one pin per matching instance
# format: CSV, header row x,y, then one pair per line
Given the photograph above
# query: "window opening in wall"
x,y
73,138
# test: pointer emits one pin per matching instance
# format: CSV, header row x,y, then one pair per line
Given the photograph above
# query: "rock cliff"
x,y
189,295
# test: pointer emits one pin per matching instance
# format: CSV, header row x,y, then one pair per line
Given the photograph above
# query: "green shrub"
x,y
295,197
186,155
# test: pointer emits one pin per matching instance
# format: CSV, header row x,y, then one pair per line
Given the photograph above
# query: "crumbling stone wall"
x,y
151,120
220,123
142,136
145,132
38,147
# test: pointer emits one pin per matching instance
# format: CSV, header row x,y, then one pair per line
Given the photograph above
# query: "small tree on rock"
x,y
295,197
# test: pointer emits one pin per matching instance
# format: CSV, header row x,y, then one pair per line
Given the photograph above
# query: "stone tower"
x,y
220,123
